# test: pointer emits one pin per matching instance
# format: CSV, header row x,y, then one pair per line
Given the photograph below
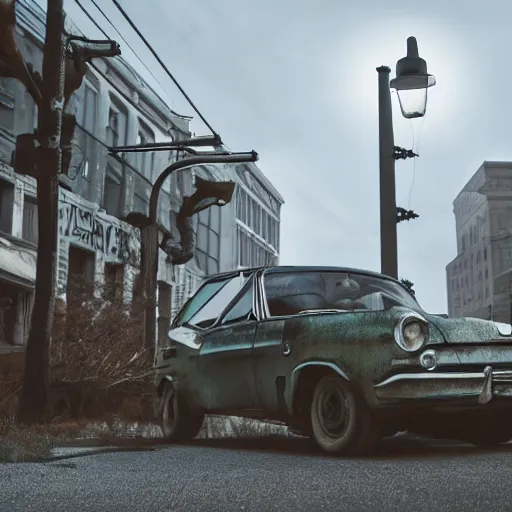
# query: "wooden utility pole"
x,y
48,162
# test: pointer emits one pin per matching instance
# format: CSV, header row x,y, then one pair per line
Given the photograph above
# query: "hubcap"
x,y
334,413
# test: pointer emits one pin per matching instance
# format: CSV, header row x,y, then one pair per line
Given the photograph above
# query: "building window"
x,y
145,161
208,238
7,102
255,217
177,179
114,282
117,123
8,312
80,289
112,192
87,114
30,221
81,266
250,252
85,170
6,206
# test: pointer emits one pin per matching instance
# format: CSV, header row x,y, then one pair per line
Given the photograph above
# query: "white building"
x,y
479,279
114,107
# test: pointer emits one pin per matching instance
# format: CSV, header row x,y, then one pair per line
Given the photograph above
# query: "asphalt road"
x,y
289,475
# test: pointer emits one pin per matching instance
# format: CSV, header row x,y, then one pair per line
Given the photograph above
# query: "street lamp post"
x,y
411,83
207,194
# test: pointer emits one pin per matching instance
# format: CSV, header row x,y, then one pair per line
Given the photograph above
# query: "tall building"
x,y
479,279
114,107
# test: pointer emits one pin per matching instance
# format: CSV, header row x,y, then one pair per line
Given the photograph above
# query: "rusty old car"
x,y
342,355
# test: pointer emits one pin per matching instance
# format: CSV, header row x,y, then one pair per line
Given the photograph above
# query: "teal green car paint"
x,y
248,358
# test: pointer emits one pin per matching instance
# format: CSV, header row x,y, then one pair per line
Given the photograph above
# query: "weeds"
x,y
101,382
20,444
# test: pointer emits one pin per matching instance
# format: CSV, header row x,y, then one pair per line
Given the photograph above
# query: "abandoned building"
x,y
116,107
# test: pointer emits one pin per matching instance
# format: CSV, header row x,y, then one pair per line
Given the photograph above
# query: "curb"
x,y
111,449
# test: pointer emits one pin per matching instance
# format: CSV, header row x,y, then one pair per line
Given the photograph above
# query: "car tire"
x,y
178,422
369,431
340,418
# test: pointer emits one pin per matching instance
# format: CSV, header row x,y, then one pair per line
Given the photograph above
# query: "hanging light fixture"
x,y
412,82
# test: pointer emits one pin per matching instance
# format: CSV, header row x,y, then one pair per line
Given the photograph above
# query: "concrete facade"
x,y
479,279
113,107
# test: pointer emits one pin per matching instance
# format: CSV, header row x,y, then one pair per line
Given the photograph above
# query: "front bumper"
x,y
478,388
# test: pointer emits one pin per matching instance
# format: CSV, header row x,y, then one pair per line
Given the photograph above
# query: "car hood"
x,y
469,330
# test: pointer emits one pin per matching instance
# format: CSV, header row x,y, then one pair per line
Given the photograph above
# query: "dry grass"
x,y
240,428
29,444
19,444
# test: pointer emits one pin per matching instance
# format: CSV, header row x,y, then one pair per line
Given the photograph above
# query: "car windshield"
x,y
296,292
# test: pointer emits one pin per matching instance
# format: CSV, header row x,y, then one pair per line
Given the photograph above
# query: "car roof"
x,y
301,268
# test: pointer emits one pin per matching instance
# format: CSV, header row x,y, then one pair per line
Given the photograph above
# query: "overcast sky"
x,y
296,81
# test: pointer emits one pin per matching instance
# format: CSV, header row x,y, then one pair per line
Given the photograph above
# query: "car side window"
x,y
199,300
208,314
242,309
289,294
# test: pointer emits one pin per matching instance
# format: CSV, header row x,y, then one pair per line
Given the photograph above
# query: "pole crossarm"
x,y
214,141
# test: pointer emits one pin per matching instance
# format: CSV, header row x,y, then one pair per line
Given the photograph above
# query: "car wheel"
x,y
340,418
178,422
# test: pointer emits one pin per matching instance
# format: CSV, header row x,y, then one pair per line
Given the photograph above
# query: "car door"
x,y
225,359
276,353
269,365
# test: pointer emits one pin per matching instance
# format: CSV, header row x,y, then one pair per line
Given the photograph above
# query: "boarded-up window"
x,y
81,265
114,282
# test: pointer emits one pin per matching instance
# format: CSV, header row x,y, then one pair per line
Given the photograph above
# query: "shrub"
x,y
20,444
98,356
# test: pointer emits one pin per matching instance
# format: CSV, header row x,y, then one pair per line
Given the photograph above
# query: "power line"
x,y
120,159
119,91
111,82
95,23
124,41
155,54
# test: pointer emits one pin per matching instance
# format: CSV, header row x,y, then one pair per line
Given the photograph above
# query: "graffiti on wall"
x,y
85,228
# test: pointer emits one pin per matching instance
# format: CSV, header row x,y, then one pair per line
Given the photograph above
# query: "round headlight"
x,y
411,334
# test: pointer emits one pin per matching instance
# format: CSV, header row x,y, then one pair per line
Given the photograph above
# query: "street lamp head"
x,y
208,193
412,82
